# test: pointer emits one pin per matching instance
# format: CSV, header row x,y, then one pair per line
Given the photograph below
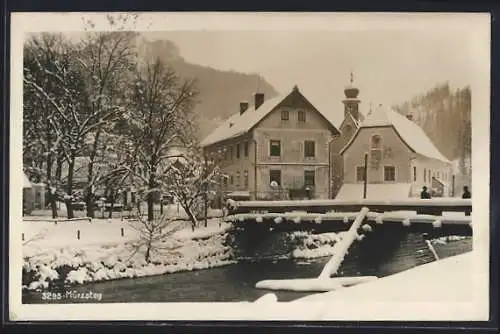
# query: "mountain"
x,y
220,92
445,116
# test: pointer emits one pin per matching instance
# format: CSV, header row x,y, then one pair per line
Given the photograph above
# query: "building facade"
x,y
277,149
285,148
400,160
350,124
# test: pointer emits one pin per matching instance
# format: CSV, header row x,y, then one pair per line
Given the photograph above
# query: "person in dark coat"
x,y
425,194
466,193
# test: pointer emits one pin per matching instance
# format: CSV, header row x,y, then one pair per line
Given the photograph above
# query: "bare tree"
x,y
153,234
158,118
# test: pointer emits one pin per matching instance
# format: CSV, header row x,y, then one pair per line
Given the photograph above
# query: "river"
x,y
232,283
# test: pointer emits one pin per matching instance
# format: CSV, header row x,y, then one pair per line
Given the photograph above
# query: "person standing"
x,y
466,193
425,194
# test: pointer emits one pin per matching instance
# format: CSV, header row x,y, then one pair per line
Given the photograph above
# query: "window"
x,y
231,179
309,178
238,179
237,151
301,116
389,173
414,174
285,115
425,175
245,179
230,153
376,142
309,149
360,174
275,148
224,180
429,175
245,148
226,154
275,175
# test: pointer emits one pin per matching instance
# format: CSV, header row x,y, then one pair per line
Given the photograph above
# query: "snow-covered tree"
x,y
106,60
41,145
158,117
190,181
52,80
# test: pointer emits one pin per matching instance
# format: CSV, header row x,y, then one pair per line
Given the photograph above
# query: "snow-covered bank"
x,y
444,280
310,246
52,253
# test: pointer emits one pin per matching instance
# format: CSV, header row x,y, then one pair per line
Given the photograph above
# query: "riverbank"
x,y
75,253
70,253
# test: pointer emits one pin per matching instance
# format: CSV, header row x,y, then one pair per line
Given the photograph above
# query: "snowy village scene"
x,y
250,166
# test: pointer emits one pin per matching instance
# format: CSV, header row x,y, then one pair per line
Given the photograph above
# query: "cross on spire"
x,y
352,77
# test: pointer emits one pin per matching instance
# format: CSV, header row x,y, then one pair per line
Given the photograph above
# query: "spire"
x,y
350,91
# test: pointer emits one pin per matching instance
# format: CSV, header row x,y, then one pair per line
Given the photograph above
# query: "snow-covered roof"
x,y
376,191
238,124
409,131
26,182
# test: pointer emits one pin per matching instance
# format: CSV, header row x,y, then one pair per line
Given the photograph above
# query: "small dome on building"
x,y
350,91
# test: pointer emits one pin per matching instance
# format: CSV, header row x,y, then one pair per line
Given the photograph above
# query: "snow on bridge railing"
x,y
435,206
452,224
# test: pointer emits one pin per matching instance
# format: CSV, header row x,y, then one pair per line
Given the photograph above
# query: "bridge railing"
x,y
435,206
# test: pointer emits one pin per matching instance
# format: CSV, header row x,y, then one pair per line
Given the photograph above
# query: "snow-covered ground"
x,y
450,279
102,232
172,210
53,251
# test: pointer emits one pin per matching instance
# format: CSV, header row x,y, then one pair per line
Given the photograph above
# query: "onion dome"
x,y
350,91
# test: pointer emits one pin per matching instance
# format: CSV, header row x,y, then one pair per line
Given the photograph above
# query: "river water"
x,y
231,283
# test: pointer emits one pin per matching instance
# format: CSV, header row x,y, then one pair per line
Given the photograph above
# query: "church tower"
x,y
351,101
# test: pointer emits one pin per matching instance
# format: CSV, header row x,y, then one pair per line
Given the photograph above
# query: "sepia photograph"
x,y
249,166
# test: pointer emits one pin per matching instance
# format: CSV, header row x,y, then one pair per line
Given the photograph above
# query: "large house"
x,y
401,159
287,148
279,148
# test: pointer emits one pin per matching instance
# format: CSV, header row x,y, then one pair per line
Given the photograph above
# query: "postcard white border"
x,y
477,309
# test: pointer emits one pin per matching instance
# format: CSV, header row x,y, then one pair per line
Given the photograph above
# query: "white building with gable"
x,y
401,159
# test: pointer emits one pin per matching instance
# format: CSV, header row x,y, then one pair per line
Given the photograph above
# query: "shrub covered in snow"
x,y
67,266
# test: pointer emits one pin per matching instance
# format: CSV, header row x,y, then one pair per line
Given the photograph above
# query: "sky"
x,y
389,67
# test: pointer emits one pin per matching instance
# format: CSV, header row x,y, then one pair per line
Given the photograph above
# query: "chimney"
x,y
259,100
243,107
409,116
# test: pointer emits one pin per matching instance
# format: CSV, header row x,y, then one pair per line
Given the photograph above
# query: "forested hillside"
x,y
445,115
220,92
